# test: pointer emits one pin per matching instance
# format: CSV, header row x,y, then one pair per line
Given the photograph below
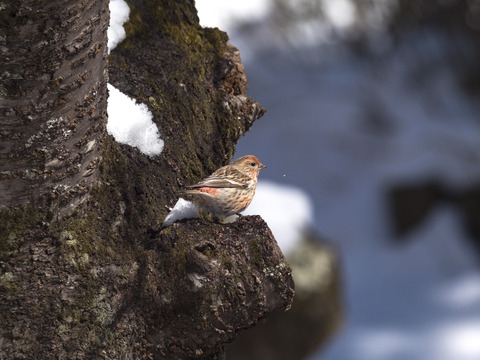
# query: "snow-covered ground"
x,y
344,132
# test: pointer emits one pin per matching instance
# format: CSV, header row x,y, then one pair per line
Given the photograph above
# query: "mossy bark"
x,y
82,273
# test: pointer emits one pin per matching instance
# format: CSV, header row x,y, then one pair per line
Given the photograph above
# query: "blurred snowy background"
x,y
372,138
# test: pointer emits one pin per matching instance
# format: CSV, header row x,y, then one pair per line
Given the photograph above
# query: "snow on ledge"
x,y
183,209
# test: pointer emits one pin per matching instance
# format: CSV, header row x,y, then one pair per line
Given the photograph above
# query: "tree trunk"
x,y
86,271
53,100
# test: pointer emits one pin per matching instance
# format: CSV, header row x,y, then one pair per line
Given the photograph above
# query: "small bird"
x,y
230,189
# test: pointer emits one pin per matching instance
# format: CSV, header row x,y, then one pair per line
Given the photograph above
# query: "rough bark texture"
x,y
53,96
95,281
316,312
225,278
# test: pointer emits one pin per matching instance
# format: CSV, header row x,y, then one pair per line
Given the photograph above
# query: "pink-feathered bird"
x,y
230,189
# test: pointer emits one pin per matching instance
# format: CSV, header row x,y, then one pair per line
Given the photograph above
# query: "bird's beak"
x,y
262,166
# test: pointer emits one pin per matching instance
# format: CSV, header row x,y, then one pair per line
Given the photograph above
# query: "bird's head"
x,y
250,165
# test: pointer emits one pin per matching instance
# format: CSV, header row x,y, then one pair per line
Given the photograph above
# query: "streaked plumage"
x,y
230,189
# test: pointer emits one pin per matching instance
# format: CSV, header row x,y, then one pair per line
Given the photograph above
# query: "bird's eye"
x,y
253,164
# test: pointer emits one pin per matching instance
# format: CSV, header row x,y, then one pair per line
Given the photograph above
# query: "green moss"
x,y
176,261
13,223
170,19
256,251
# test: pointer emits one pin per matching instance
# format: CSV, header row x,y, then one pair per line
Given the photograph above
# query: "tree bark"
x,y
53,100
85,270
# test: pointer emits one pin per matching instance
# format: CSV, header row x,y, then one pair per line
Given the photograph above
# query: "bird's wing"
x,y
235,179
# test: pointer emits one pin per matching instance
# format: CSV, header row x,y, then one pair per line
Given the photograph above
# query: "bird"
x,y
230,189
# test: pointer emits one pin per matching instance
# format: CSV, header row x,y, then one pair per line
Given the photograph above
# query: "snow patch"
x,y
119,12
131,123
183,209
